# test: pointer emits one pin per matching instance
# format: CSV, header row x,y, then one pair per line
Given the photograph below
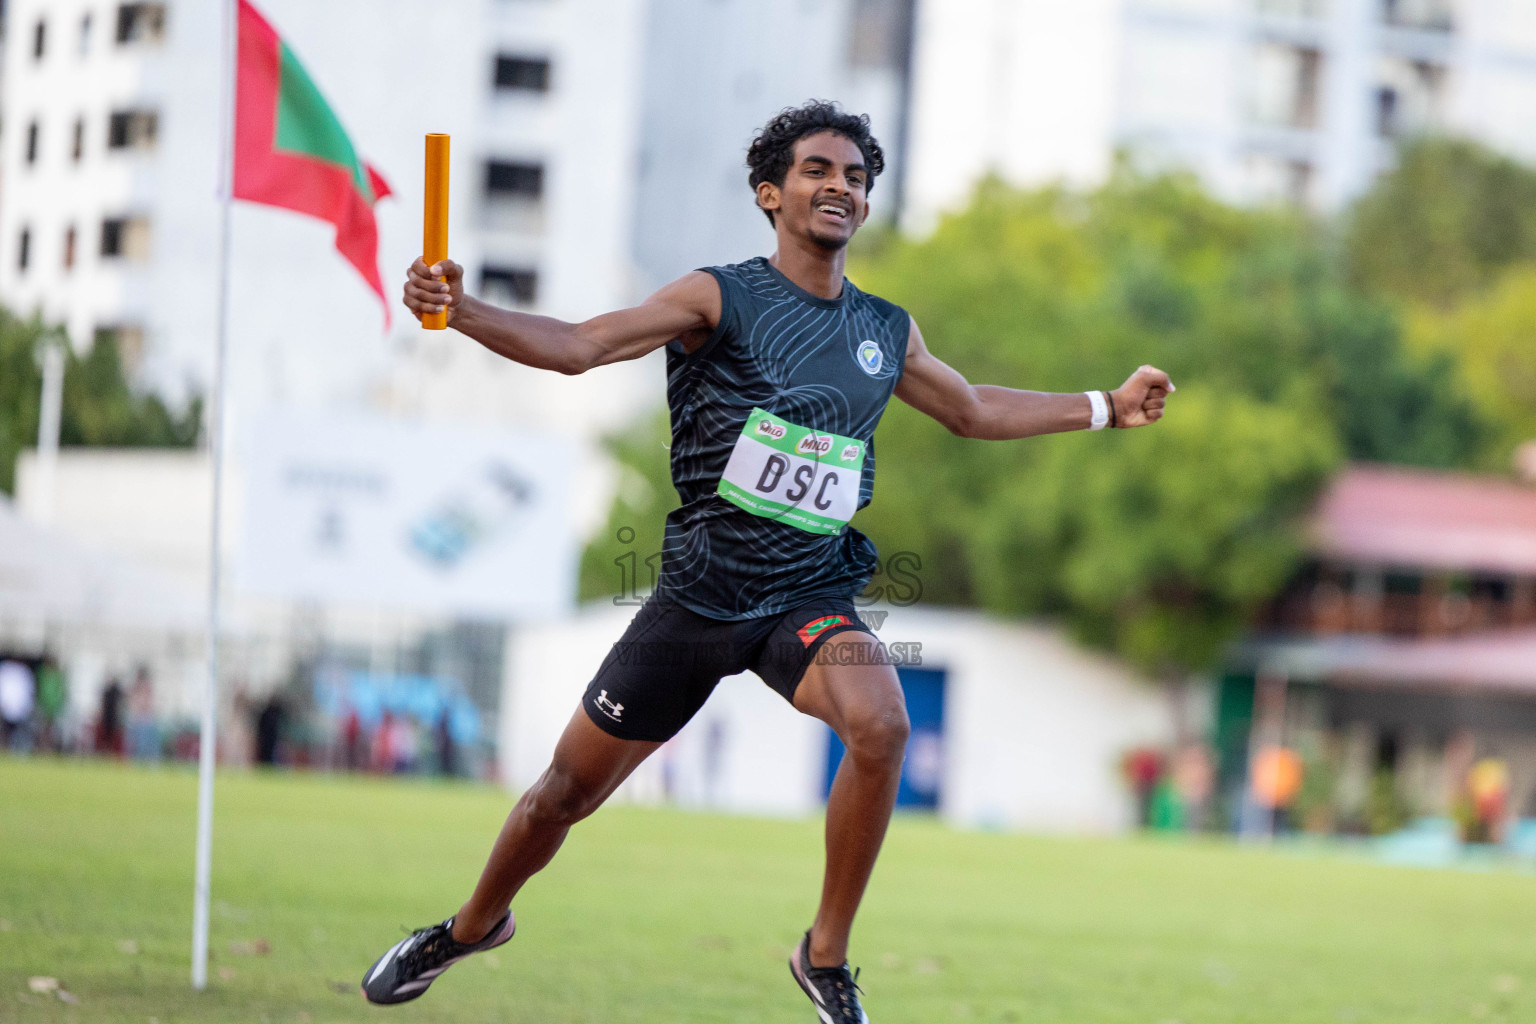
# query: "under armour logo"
x,y
604,704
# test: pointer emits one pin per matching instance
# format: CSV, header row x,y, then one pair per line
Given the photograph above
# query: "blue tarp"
x,y
339,691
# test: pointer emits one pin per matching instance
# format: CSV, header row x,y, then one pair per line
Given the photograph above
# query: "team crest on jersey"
x,y
870,357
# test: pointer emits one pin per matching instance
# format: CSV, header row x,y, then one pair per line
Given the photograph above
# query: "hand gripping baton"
x,y
434,226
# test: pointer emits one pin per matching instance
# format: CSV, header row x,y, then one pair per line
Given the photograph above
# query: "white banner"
x,y
361,509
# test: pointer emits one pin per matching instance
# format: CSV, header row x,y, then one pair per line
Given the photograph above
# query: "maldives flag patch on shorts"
x,y
811,630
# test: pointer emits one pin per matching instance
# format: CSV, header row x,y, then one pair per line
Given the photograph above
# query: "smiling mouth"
x,y
834,211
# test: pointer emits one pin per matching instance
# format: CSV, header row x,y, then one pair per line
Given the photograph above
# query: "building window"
x,y
125,237
33,131
1386,112
39,39
128,340
1287,82
132,129
77,148
514,194
524,181
24,250
69,248
524,74
1410,96
509,286
1295,8
140,23
1424,15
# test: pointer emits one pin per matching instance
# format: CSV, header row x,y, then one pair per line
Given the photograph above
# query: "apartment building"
x,y
598,150
1267,100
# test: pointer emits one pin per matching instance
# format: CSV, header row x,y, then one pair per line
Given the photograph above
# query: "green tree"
x,y
1160,543
1491,341
1447,221
100,407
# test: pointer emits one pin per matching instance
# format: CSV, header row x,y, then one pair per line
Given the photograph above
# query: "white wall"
x,y
1034,726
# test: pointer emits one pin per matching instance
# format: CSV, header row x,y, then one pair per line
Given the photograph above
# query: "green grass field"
x,y
661,916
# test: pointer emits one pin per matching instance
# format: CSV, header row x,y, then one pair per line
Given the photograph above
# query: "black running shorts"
x,y
665,666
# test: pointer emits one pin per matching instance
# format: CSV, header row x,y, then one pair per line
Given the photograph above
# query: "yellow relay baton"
x,y
434,220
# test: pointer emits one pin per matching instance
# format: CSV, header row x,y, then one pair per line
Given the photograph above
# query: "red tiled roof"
x,y
1389,515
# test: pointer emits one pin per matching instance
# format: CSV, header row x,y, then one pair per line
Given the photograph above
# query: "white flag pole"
x,y
216,423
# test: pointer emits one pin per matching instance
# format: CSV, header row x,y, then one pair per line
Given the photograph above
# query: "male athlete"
x,y
778,370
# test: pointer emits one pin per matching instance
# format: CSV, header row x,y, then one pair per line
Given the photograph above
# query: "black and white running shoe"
x,y
833,989
414,962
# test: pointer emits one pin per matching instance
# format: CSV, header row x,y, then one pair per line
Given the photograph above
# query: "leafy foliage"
x,y
100,408
1450,236
1447,221
1490,341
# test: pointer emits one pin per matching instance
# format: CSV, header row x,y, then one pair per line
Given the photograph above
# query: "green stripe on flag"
x,y
306,125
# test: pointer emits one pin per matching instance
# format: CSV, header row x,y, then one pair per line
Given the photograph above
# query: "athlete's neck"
x,y
817,270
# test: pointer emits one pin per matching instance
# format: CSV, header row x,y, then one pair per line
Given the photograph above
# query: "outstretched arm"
x,y
1001,414
687,309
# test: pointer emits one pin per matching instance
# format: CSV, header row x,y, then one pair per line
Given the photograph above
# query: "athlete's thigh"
x,y
848,682
594,762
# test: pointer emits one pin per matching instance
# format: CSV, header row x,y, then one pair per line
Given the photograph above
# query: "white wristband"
x,y
1100,410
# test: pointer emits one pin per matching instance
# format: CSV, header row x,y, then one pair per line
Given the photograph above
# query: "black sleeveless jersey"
x,y
826,365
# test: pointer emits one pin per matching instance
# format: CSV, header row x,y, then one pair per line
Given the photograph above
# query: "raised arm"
x,y
687,309
1001,414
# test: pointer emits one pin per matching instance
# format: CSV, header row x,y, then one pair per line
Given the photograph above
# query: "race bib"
x,y
793,474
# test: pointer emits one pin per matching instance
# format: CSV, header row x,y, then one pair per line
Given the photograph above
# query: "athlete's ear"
x,y
864,216
768,196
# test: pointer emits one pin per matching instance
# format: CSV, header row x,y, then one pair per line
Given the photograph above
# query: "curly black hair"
x,y
773,147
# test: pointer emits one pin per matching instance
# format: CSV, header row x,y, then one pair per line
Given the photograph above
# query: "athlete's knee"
x,y
560,798
877,735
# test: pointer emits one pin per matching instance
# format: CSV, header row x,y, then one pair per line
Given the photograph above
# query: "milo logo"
x,y
767,428
813,444
851,452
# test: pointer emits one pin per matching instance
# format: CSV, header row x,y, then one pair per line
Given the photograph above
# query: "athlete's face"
x,y
823,195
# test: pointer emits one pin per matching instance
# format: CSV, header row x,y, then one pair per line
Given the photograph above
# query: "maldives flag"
x,y
291,151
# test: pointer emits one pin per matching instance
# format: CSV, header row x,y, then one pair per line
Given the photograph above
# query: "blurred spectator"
x,y
447,754
143,730
383,745
17,696
1488,786
109,727
352,742
52,700
239,736
1193,777
1277,775
269,730
1143,767
404,744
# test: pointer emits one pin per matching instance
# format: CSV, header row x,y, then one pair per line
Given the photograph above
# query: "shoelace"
x,y
421,955
847,986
